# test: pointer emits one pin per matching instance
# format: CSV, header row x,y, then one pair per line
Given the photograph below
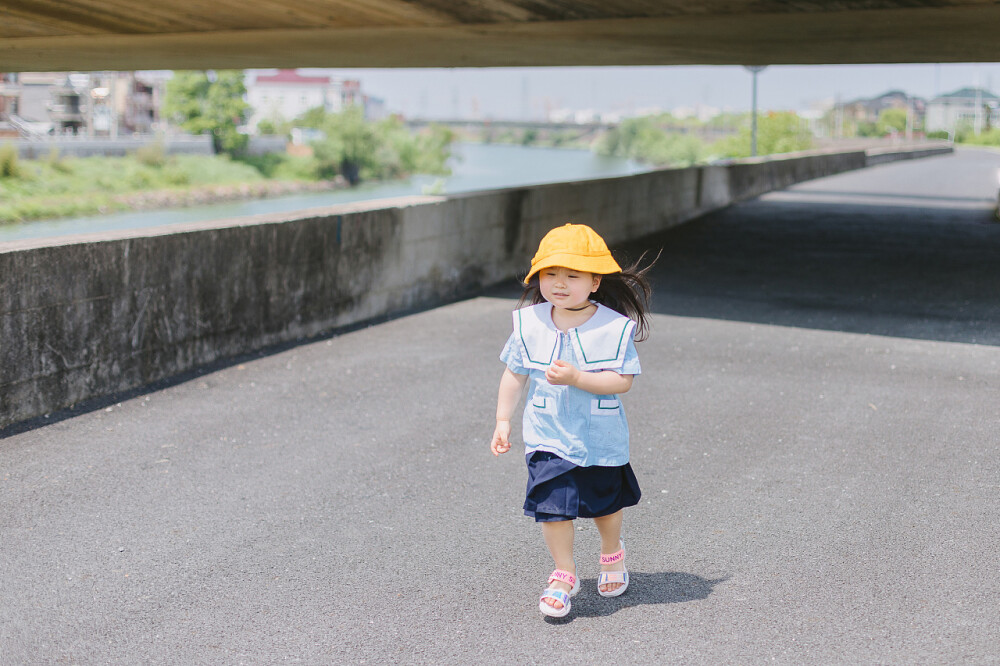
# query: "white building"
x,y
285,94
972,107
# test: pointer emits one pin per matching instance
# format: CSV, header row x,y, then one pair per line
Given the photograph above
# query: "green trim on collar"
x,y
520,332
601,360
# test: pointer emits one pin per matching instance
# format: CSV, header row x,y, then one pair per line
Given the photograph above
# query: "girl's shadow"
x,y
668,587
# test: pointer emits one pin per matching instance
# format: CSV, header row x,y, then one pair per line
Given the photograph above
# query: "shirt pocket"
x,y
605,407
608,431
543,403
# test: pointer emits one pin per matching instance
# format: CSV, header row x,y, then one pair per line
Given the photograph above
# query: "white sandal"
x,y
563,597
611,577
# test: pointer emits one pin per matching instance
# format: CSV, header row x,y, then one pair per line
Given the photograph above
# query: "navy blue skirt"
x,y
560,490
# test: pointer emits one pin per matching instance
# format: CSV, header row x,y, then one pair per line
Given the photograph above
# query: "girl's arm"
x,y
511,385
606,382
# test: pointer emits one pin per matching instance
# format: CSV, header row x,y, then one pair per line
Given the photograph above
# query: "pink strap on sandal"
x,y
559,576
562,576
612,558
613,577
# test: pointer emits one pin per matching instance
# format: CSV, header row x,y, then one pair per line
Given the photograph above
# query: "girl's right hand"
x,y
501,438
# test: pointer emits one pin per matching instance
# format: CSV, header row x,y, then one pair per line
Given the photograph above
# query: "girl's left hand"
x,y
562,373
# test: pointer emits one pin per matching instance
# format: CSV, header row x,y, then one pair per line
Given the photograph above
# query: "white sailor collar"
x,y
599,343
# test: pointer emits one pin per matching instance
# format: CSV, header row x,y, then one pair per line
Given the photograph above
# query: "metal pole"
x,y
754,69
90,105
909,119
979,108
753,121
113,97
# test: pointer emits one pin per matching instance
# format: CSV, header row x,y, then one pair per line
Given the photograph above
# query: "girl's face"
x,y
567,288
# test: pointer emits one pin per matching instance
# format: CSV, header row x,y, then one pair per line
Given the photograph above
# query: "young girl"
x,y
574,347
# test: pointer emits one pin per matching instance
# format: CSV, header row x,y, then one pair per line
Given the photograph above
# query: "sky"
x,y
527,93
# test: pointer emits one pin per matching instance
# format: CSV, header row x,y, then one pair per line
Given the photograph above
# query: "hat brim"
x,y
602,264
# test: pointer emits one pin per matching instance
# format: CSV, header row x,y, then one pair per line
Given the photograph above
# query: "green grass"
x,y
990,137
58,186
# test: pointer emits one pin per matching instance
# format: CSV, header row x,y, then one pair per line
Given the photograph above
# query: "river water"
x,y
474,167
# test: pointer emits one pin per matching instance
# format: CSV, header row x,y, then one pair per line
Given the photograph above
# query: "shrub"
x,y
266,164
152,154
348,147
56,161
174,175
217,169
9,166
644,140
988,138
282,166
139,179
891,121
360,150
297,168
777,132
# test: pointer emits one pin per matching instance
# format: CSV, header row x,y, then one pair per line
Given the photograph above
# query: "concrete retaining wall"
x,y
87,317
884,155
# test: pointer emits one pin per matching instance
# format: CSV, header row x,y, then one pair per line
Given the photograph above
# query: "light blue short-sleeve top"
x,y
583,428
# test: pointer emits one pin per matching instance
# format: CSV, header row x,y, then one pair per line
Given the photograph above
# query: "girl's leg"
x,y
610,528
559,538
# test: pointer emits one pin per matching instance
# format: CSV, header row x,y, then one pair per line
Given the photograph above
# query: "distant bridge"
x,y
469,124
518,130
571,130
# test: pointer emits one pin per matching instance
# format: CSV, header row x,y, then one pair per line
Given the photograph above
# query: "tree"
x,y
312,119
266,127
864,128
777,132
644,140
348,147
361,150
212,103
891,121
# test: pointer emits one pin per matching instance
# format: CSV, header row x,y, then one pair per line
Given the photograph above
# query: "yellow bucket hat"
x,y
575,246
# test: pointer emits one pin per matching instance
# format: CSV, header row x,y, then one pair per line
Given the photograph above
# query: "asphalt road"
x,y
815,432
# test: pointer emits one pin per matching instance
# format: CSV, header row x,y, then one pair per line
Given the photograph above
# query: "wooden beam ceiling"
x,y
40,35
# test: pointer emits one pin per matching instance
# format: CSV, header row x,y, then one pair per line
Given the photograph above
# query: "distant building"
x,y
868,110
10,91
33,94
66,107
138,99
95,103
285,94
972,107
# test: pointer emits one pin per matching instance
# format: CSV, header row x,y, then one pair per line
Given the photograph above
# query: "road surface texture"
x,y
815,432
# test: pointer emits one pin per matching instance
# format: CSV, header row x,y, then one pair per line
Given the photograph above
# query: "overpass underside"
x,y
191,34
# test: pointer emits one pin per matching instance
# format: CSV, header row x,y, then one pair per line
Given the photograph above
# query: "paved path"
x,y
815,432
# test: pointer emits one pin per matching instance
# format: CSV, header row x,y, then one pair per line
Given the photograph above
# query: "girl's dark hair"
x,y
627,293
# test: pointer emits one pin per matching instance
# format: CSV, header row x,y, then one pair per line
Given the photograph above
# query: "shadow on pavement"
x,y
669,587
901,271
